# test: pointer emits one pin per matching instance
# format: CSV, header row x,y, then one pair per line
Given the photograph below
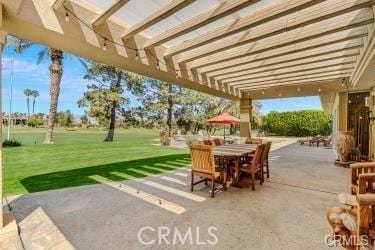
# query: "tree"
x,y
84,121
159,100
56,72
28,93
106,95
35,94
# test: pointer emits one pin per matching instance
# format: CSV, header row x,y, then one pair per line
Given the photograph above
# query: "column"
x,y
343,112
245,118
372,124
1,137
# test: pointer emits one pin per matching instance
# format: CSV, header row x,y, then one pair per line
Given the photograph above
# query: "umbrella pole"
x,y
224,132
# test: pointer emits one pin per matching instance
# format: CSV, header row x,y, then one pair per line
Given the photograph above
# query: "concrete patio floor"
x,y
287,212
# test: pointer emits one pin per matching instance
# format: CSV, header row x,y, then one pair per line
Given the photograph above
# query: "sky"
x,y
29,74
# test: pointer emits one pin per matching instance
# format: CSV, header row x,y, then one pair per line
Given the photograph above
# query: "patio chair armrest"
x,y
366,199
363,165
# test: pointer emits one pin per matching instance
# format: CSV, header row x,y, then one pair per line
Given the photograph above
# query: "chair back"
x,y
266,151
219,141
366,183
250,140
202,159
361,168
256,162
208,142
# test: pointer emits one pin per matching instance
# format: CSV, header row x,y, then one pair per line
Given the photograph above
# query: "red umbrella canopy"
x,y
224,119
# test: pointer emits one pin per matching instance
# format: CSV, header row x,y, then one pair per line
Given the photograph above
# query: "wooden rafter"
x,y
325,44
318,13
363,60
109,12
269,65
157,16
277,10
296,69
297,81
347,22
57,4
226,8
321,53
307,72
292,78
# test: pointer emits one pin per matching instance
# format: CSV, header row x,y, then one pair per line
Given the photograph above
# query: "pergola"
x,y
236,49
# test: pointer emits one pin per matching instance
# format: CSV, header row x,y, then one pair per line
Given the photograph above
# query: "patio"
x,y
240,50
287,211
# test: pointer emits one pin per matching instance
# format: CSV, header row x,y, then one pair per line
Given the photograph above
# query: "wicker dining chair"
x,y
251,140
265,160
253,166
203,165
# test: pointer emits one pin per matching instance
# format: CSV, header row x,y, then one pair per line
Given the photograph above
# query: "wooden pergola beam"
x,y
296,69
347,22
226,8
276,44
327,10
57,4
271,80
157,16
276,10
326,44
296,82
269,65
108,13
269,59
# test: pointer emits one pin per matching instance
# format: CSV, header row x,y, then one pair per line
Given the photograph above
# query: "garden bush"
x,y
11,143
297,123
34,123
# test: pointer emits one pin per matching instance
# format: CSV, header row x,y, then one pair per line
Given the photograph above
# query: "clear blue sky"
x,y
28,74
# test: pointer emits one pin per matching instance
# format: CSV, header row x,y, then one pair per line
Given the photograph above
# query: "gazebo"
x,y
236,49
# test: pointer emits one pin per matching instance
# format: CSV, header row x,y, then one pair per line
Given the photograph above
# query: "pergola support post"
x,y
246,109
1,136
372,125
343,112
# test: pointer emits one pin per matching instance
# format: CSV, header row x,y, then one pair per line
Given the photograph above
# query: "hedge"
x,y
297,123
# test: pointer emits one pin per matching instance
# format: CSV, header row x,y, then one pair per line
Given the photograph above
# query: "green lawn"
x,y
77,155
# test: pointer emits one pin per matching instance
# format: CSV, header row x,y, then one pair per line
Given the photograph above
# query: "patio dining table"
x,y
234,152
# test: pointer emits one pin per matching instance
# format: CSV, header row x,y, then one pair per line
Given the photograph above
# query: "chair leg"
x,y
192,181
268,169
213,189
223,179
253,181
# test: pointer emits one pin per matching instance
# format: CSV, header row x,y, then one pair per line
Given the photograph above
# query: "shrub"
x,y
191,140
164,138
34,123
12,143
166,141
297,123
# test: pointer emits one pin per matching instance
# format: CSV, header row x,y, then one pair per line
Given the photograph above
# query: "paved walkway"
x,y
287,212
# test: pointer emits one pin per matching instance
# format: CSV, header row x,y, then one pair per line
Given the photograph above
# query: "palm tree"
x,y
35,94
28,93
56,72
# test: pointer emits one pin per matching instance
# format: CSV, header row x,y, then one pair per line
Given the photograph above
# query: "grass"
x,y
79,154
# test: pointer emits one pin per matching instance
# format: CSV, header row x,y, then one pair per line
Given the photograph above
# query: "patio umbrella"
x,y
224,119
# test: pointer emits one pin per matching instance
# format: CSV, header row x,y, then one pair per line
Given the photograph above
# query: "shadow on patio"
x,y
128,169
